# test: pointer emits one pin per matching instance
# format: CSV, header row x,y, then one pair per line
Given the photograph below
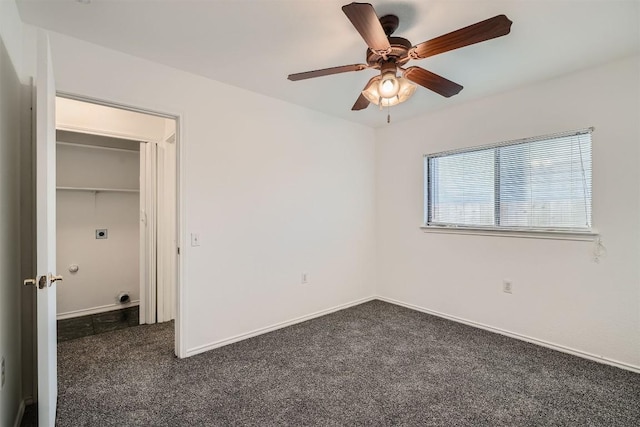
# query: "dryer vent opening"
x,y
124,298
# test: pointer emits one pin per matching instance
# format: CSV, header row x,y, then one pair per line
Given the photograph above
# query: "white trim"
x,y
100,190
166,231
142,235
95,310
260,331
20,413
181,232
543,343
105,103
584,236
99,147
160,265
148,242
92,131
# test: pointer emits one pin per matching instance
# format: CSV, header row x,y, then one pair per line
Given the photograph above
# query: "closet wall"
x,y
98,178
98,188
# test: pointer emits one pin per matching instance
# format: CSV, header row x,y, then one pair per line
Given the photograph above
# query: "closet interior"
x,y
116,218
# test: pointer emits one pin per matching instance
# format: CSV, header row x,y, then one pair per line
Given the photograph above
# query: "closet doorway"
x,y
117,234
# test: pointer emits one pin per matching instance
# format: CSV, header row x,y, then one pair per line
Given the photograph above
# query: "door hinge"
x,y
178,250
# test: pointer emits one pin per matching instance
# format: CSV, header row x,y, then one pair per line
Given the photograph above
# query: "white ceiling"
x,y
255,44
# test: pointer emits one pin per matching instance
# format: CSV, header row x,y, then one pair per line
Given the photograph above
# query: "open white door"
x,y
148,263
166,264
158,241
46,234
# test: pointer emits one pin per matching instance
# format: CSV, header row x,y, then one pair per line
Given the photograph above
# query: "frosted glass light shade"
x,y
405,91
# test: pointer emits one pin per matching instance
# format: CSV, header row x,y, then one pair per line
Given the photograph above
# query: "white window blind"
x,y
541,183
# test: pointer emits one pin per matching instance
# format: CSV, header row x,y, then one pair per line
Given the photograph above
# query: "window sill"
x,y
585,236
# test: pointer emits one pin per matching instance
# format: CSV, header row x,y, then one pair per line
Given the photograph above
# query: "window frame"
x,y
561,233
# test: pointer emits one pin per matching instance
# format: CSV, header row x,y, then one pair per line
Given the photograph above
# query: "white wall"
x,y
90,166
560,294
272,189
106,266
10,280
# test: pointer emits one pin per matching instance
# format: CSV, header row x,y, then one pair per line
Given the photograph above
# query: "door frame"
x,y
180,335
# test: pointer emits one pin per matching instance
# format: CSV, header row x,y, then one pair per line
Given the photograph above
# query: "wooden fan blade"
x,y
432,81
362,102
326,72
364,19
485,30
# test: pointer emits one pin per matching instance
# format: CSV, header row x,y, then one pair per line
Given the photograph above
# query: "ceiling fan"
x,y
389,55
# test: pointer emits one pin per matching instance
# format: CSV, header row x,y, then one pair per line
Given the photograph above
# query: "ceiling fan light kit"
x,y
374,95
388,86
388,54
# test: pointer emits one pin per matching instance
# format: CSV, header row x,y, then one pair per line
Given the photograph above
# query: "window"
x,y
535,184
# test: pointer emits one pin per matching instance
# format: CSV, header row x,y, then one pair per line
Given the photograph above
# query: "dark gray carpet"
x,y
374,364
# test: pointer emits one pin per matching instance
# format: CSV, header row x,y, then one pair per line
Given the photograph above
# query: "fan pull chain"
x,y
381,106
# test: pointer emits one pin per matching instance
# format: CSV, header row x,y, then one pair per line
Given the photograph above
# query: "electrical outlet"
x,y
507,286
3,374
304,278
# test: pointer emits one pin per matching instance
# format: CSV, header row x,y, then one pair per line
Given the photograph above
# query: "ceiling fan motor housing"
x,y
399,53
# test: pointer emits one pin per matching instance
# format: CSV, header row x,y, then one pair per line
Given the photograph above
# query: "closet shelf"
x,y
100,190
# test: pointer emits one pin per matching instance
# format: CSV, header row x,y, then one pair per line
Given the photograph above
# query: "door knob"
x,y
53,278
41,283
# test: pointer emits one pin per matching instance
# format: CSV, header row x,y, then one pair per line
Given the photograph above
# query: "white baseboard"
x,y
20,414
543,343
260,331
95,310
